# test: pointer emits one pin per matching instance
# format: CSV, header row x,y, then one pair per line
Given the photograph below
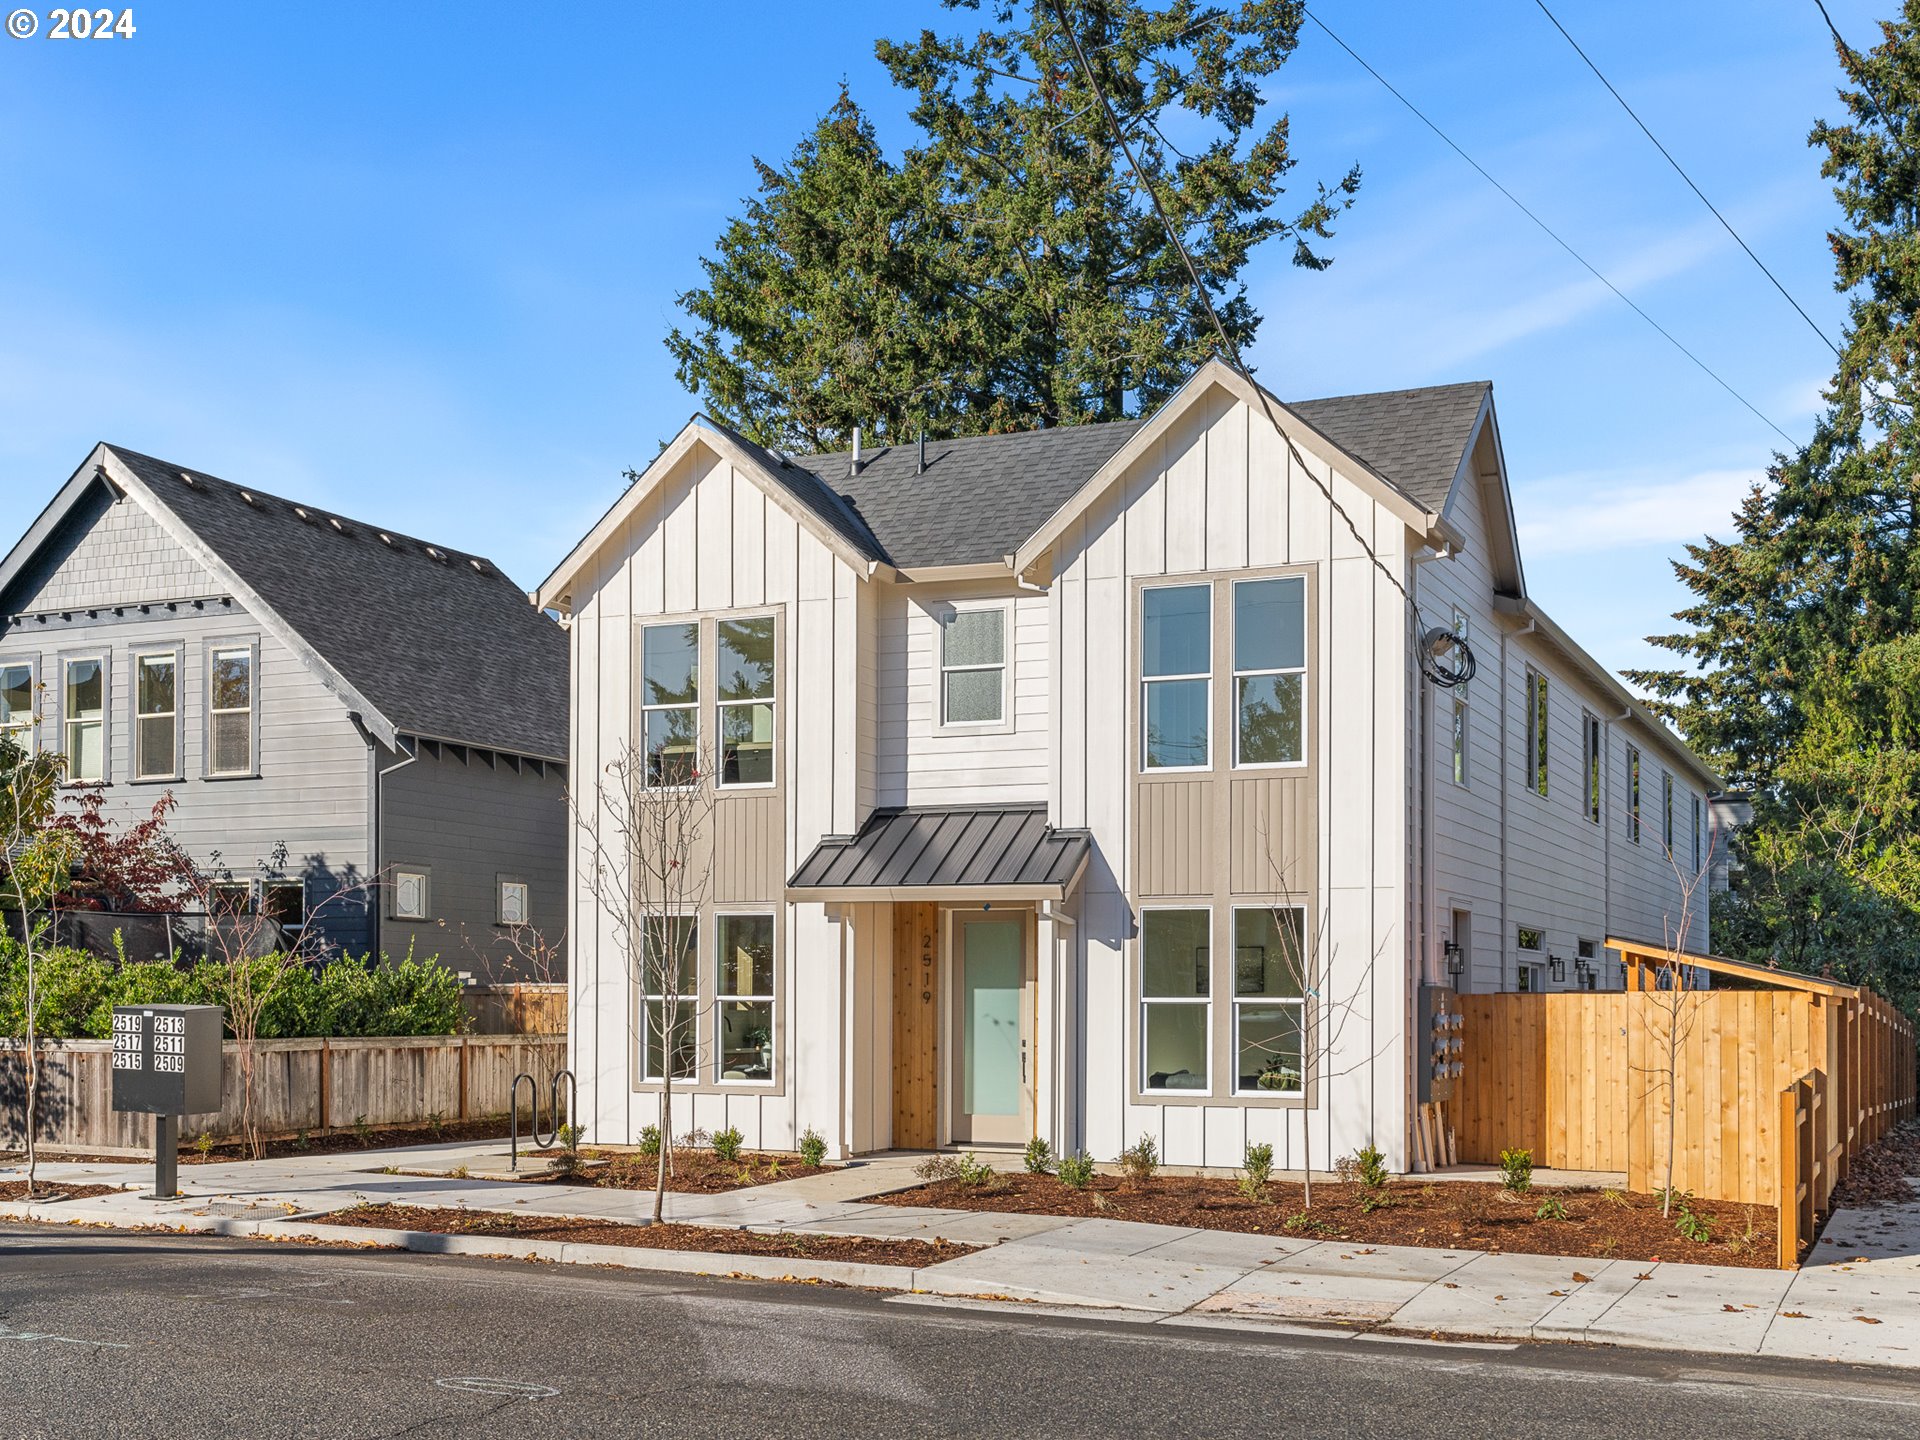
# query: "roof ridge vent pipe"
x,y
922,468
854,468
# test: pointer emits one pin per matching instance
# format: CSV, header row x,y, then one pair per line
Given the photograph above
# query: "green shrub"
x,y
1076,1170
649,1139
1516,1170
727,1143
1370,1167
1551,1209
1697,1228
1039,1157
1256,1170
1140,1159
973,1172
813,1148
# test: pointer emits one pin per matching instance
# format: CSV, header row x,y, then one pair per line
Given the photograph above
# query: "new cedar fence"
x,y
1766,1094
518,1009
312,1085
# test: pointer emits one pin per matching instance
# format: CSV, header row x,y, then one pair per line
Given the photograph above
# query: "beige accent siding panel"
x,y
1176,838
748,855
1272,829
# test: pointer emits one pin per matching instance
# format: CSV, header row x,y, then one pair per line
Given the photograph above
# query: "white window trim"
x,y
500,884
1666,811
35,701
1459,736
426,895
105,722
1147,682
172,654
1236,675
1205,1002
646,710
1633,793
1699,854
1237,1001
647,997
1002,726
287,882
772,702
1539,735
214,649
1593,767
771,999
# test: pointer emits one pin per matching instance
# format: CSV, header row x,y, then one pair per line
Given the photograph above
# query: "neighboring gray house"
x,y
386,709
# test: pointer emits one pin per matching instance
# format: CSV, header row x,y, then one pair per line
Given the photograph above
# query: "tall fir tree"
x,y
1007,272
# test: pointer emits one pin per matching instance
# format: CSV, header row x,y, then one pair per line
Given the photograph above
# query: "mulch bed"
x,y
1457,1215
1885,1173
453,1221
49,1190
693,1172
377,1137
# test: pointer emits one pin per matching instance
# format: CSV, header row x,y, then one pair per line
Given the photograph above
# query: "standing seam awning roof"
x,y
1008,851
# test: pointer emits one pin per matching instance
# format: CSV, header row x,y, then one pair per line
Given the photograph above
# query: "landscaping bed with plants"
x,y
698,1164
1364,1206
45,1190
453,1221
203,1150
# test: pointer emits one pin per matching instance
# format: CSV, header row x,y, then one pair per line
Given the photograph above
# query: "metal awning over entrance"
x,y
986,853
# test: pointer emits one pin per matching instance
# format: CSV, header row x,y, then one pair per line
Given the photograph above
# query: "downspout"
x,y
379,829
1506,707
1606,870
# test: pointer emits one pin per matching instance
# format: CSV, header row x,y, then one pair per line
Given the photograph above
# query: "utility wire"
x,y
1668,156
1551,234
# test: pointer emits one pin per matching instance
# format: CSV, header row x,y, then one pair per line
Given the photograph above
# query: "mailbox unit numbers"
x,y
126,1042
170,1044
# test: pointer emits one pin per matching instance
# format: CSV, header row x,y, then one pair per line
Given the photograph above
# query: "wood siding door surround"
x,y
916,1025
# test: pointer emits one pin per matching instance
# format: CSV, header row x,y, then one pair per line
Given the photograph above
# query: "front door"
x,y
993,1096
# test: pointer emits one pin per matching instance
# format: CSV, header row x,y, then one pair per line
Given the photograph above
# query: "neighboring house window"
x,y
1175,1007
1633,794
85,719
231,897
1591,733
973,666
670,701
1530,943
157,717
410,897
230,713
743,679
1537,730
745,995
1176,666
670,957
16,705
1666,810
285,901
1694,800
514,900
1587,963
1529,979
1269,671
1267,1004
1459,741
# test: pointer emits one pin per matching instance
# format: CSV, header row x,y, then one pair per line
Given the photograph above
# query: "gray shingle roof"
x,y
973,846
982,497
444,648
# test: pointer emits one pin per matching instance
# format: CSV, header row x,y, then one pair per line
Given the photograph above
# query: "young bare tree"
x,y
1672,1005
34,861
645,856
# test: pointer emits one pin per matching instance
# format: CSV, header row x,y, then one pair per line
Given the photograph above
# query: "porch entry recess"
x,y
994,1099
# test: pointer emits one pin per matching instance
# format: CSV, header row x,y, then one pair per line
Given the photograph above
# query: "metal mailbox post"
x,y
167,1062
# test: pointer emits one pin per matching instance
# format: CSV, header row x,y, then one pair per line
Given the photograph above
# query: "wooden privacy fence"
x,y
525,1009
299,1085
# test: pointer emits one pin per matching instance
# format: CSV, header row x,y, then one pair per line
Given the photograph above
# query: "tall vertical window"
x,y
1176,1008
1269,670
1633,794
743,680
1591,744
670,965
1694,800
84,719
1458,739
16,705
1529,974
230,715
973,666
1666,810
670,701
1176,665
1267,1003
745,996
1536,730
156,703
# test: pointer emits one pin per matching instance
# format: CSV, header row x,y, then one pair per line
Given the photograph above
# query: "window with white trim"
x,y
1694,800
1536,731
1268,1005
1176,1007
743,994
1269,670
1591,744
1666,810
230,712
16,704
1458,739
670,963
84,718
231,897
516,897
743,687
670,701
1633,794
973,665
285,901
1530,941
156,705
411,900
1176,667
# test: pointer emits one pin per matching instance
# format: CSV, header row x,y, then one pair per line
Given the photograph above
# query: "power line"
x,y
1550,233
1668,156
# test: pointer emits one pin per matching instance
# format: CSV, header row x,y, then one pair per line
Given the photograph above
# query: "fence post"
x,y
463,1076
326,1081
1788,1182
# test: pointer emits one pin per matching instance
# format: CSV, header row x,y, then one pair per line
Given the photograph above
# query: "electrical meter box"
x,y
167,1059
1440,1041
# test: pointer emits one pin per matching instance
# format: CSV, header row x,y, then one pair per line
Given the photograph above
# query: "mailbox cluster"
x,y
167,1062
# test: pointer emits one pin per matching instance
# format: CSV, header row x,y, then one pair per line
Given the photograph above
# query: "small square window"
x,y
285,901
409,894
513,902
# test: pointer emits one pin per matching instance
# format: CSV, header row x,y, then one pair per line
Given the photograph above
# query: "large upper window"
x,y
973,666
743,681
1666,811
1269,670
1268,950
1536,730
1633,794
1591,744
1694,800
16,705
85,719
1176,665
669,966
230,715
156,703
1175,1005
670,701
745,996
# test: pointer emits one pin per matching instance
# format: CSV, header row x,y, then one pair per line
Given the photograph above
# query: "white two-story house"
x,y
1045,760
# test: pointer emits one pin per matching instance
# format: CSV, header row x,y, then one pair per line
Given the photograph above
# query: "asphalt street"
x,y
108,1334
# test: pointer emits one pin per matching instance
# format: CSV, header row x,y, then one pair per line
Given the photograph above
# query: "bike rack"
x,y
540,1142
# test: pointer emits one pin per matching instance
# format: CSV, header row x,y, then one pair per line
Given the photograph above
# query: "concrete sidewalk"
x,y
1858,1300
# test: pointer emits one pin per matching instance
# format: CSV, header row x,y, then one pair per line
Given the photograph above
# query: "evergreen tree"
x,y
1007,273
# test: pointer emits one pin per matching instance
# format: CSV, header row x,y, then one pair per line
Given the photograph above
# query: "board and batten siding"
x,y
711,540
1219,493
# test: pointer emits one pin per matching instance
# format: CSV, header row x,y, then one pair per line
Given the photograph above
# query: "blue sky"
x,y
414,263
